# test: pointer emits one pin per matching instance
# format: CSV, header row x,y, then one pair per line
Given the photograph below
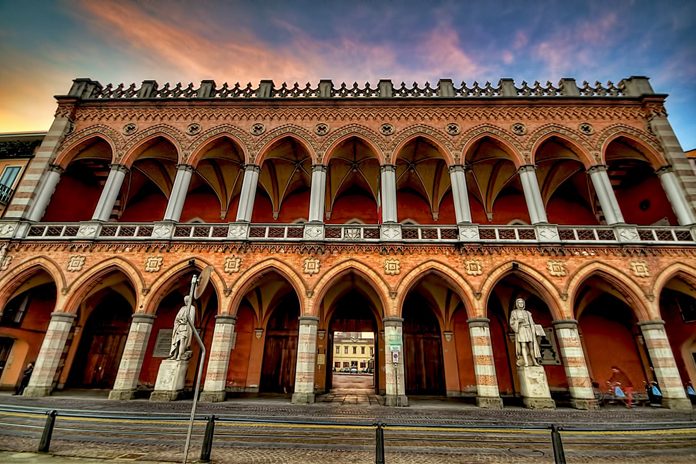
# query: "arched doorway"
x,y
423,364
678,310
280,348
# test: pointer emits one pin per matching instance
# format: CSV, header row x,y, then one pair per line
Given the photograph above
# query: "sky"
x,y
45,44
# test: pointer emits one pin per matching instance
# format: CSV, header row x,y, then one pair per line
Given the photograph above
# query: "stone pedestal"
x,y
170,380
535,388
489,402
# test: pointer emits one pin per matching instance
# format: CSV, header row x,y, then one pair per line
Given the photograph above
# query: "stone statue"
x,y
526,335
181,335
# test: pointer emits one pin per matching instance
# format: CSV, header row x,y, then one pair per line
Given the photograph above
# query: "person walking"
x,y
621,384
26,376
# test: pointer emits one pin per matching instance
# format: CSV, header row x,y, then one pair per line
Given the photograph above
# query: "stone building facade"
x,y
417,213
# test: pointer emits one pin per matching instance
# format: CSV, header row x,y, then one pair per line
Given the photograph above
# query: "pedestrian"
x,y
26,376
654,393
621,386
690,392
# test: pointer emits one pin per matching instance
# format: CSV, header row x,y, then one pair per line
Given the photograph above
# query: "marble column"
x,y
388,192
605,194
318,193
662,358
573,356
460,194
487,394
219,359
110,192
184,172
41,383
394,373
676,196
306,360
248,193
532,194
126,382
46,189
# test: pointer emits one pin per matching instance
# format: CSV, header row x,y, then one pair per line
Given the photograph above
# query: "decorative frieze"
x,y
5,262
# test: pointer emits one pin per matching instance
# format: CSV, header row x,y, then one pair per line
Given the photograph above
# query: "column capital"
x,y
252,167
119,167
144,318
62,316
457,168
184,167
565,324
597,168
310,320
225,319
654,324
478,322
387,168
393,321
56,168
527,168
664,170
318,168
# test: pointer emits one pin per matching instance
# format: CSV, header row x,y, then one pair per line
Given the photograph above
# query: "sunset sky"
x,y
45,44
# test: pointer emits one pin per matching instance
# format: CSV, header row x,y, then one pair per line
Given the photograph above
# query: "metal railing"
x,y
5,194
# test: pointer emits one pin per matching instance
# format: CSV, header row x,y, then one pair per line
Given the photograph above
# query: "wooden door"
x,y
423,361
280,349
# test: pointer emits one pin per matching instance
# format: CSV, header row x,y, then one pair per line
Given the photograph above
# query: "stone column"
x,y
133,355
318,193
219,359
487,394
460,194
184,172
532,194
248,193
605,194
41,383
662,358
45,192
676,196
110,193
388,192
579,383
306,360
395,378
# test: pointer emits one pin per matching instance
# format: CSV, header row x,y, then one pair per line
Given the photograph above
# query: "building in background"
x,y
353,352
417,213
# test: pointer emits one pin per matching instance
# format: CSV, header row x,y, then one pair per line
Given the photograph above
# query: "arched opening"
x,y
240,366
678,310
500,304
280,351
84,178
609,333
636,186
352,184
423,188
213,194
566,189
494,185
25,319
284,183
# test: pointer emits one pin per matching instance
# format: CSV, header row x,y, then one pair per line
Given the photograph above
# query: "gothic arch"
x,y
104,133
16,277
531,276
371,277
170,133
649,143
514,148
571,137
299,134
340,135
432,135
238,136
631,292
246,281
672,271
455,280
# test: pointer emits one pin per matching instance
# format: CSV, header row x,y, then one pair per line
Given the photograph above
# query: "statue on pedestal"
x,y
181,335
526,335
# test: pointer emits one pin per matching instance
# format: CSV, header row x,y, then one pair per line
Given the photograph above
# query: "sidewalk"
x,y
38,458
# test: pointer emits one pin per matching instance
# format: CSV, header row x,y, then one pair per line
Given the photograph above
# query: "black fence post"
x,y
379,444
558,453
207,448
45,442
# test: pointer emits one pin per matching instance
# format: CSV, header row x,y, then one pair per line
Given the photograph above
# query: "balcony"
x,y
5,194
351,233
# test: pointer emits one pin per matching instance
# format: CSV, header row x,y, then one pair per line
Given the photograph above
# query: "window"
x,y
362,350
345,350
14,312
9,175
337,364
355,350
338,350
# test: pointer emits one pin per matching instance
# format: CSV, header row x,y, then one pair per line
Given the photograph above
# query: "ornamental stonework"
x,y
153,263
75,263
473,267
232,264
5,263
557,268
640,269
392,266
311,266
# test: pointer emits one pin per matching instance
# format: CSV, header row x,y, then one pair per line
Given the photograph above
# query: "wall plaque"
x,y
163,344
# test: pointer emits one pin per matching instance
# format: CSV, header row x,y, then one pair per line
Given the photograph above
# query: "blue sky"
x,y
44,45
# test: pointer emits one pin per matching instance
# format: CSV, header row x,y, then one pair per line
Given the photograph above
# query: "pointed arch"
x,y
547,291
648,143
199,146
633,294
453,278
246,281
504,138
433,136
570,137
362,133
297,133
338,270
16,277
69,146
167,132
669,273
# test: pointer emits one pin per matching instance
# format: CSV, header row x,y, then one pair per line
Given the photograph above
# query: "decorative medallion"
x,y
453,128
640,269
473,267
448,336
75,263
518,128
232,264
193,128
586,128
321,129
556,268
258,129
386,129
7,230
311,266
153,263
5,263
130,128
392,266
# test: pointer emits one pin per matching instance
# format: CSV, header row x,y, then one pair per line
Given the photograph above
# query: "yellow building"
x,y
353,350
